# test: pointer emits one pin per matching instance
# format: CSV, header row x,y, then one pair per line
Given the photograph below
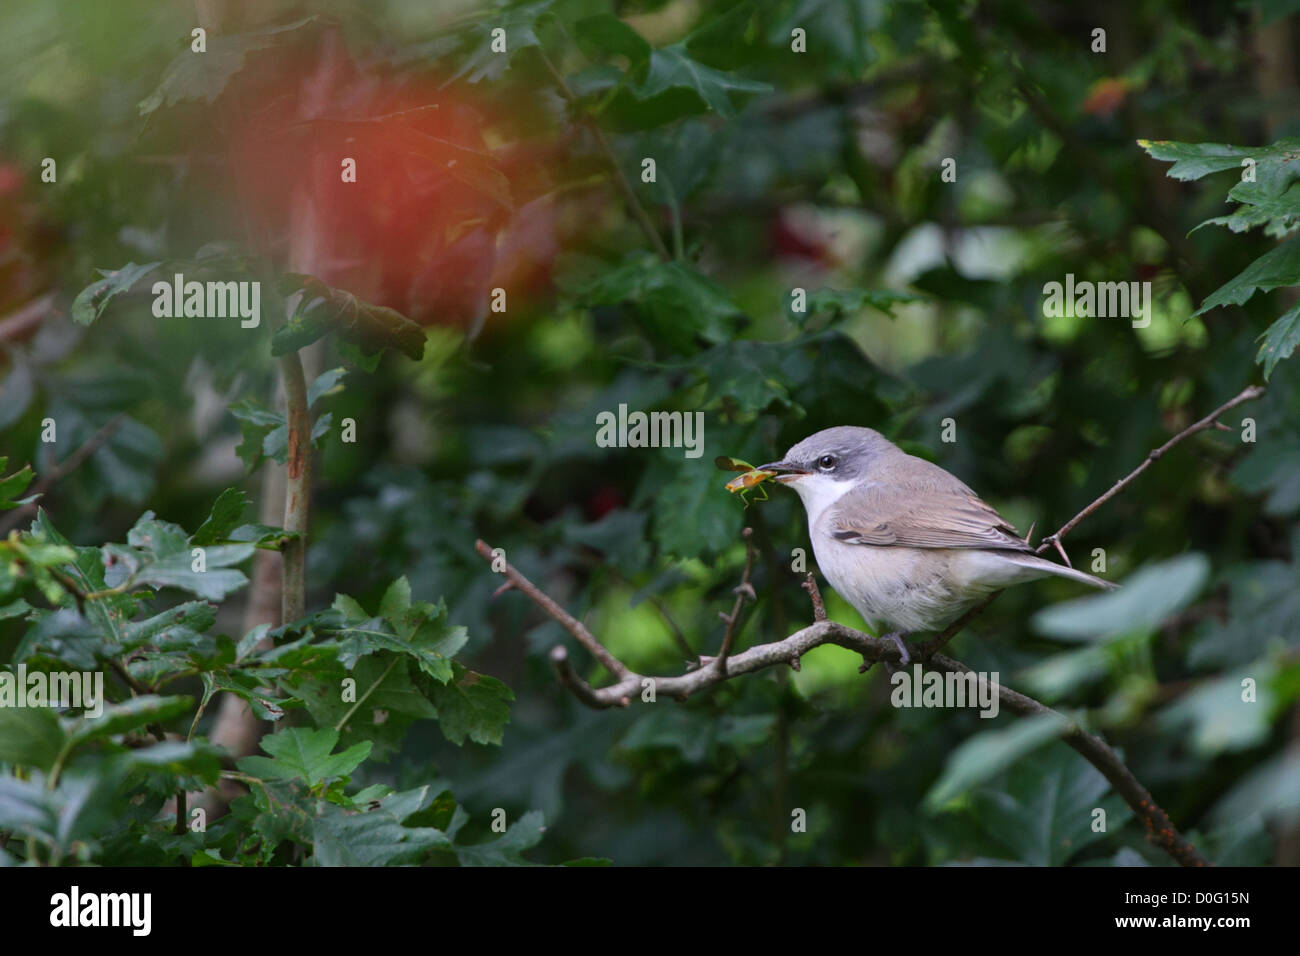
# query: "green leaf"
x,y
1147,598
838,32
1280,341
371,837
1274,269
604,35
1194,160
178,758
419,630
223,519
1213,718
29,736
27,808
519,21
94,298
381,711
13,485
1270,790
673,68
263,536
674,302
1043,810
184,621
129,715
324,309
841,303
523,834
176,570
326,383
988,753
203,76
300,753
1279,213
472,705
396,600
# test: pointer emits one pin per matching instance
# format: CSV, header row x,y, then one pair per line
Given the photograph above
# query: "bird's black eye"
x,y
826,462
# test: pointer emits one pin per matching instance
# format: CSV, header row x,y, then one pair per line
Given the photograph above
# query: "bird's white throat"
x,y
819,492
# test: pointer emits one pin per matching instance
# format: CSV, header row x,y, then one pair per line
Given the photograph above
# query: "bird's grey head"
x,y
831,462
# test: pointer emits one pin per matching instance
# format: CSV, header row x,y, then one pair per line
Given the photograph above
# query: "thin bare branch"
x,y
542,600
810,585
744,590
1248,394
1160,830
1054,540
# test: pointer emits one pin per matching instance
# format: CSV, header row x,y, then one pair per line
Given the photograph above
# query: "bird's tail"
x,y
1051,567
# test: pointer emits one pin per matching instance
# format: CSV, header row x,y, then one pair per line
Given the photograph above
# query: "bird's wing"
x,y
920,517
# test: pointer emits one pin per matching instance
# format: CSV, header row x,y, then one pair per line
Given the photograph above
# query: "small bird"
x,y
905,542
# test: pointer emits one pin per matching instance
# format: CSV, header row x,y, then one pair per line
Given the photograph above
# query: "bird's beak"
x,y
785,472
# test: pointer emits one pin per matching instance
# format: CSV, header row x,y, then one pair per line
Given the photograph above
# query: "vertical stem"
x,y
298,488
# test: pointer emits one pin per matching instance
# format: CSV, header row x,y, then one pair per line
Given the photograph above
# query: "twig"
x,y
1209,421
810,585
569,622
1160,830
743,590
1054,540
65,467
620,179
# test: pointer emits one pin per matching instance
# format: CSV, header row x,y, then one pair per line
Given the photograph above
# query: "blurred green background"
x,y
774,170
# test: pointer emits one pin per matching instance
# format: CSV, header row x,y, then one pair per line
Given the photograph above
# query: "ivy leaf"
x,y
519,21
472,705
299,753
324,308
672,68
604,35
841,28
674,302
94,298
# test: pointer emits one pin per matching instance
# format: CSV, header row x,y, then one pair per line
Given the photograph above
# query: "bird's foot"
x,y
904,656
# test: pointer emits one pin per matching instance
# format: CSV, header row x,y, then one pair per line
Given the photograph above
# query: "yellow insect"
x,y
752,477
